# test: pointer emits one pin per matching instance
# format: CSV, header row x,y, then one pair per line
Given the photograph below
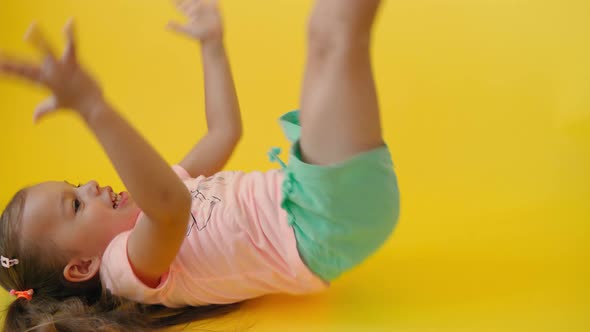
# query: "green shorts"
x,y
340,213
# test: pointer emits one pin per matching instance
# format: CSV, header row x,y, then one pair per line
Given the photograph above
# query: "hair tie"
x,y
7,262
28,294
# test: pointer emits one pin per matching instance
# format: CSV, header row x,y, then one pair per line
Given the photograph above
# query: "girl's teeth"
x,y
116,201
115,198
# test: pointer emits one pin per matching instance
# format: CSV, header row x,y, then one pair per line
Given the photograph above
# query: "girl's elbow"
x,y
178,202
235,134
181,209
239,129
185,203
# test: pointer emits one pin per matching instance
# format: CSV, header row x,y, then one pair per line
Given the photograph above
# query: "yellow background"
x,y
486,108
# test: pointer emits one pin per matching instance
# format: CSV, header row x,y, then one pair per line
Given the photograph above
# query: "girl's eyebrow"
x,y
63,203
63,200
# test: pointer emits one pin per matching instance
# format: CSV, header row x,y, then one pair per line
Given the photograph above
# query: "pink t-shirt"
x,y
238,246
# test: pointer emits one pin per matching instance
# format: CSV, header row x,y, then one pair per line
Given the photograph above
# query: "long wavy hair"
x,y
60,305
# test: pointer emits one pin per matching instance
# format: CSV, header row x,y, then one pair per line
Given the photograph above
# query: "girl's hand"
x,y
71,85
204,21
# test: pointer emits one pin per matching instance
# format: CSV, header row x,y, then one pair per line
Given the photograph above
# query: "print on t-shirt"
x,y
202,219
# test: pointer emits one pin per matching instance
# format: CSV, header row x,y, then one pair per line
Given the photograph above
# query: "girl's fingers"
x,y
188,7
69,55
181,5
47,106
177,27
38,40
20,69
195,7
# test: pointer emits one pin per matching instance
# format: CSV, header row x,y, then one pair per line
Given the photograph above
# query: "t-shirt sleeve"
x,y
117,275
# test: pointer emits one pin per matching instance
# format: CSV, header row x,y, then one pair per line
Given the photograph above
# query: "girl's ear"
x,y
82,268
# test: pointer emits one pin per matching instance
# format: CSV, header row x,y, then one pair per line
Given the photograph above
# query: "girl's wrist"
x,y
213,45
92,107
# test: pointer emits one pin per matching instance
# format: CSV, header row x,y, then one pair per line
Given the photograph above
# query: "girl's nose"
x,y
91,188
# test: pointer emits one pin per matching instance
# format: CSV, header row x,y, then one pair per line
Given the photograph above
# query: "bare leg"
x,y
339,109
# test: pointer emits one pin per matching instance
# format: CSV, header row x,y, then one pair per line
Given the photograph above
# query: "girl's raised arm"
x,y
156,189
224,123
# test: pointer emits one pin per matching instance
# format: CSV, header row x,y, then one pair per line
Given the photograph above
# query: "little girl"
x,y
188,241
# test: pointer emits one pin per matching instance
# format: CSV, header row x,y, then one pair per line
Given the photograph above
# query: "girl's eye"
x,y
76,205
79,185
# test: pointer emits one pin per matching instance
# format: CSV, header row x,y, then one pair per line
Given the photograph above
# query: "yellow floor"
x,y
485,106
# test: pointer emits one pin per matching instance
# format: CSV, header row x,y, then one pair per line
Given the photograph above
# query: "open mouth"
x,y
116,199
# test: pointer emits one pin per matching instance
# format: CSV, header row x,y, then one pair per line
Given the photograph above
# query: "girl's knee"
x,y
329,35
